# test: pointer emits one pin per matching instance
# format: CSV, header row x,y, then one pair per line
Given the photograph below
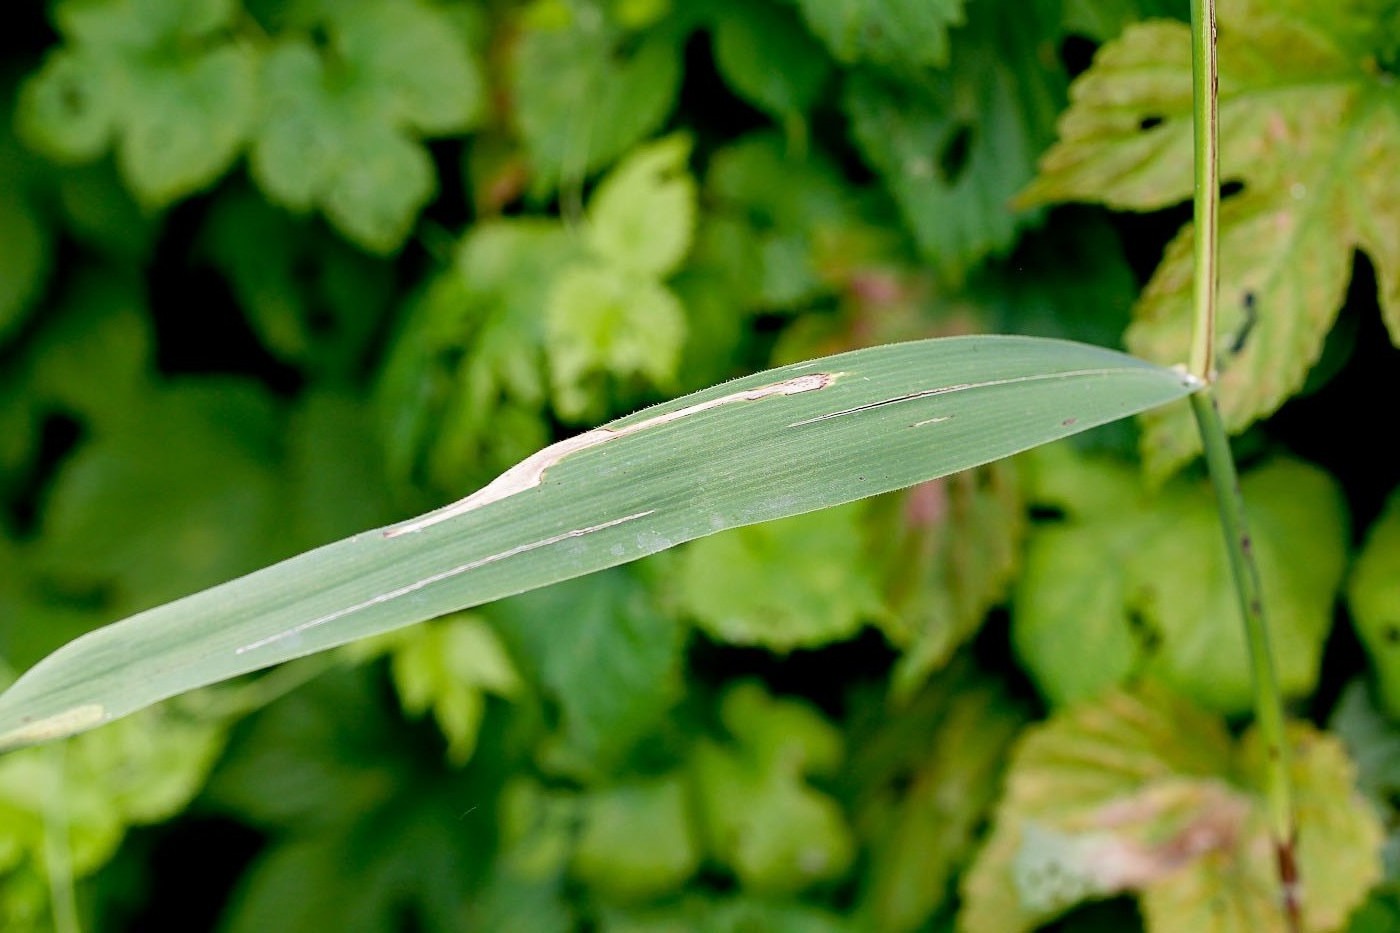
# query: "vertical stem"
x,y
1206,206
1268,699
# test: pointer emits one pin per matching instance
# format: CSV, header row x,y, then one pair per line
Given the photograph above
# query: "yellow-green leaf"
x,y
604,322
159,79
447,669
760,817
800,582
906,35
1310,118
642,216
1144,793
1142,582
638,840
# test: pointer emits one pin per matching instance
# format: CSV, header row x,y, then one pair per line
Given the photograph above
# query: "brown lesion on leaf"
x,y
1133,842
1250,309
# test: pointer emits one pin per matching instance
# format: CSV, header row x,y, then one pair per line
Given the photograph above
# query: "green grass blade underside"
x,y
889,417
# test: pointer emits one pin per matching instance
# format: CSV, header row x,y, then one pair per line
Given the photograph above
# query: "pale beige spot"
x,y
56,726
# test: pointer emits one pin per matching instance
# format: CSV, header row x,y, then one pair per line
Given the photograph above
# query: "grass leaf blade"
x,y
777,443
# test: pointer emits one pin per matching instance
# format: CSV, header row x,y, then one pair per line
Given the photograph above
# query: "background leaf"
x,y
954,152
605,653
821,589
769,59
584,94
1161,601
922,809
637,840
892,33
447,669
948,550
1100,798
176,99
25,233
1301,107
84,797
308,771
776,834
642,215
340,128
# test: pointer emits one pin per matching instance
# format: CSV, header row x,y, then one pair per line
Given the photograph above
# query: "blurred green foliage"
x,y
276,271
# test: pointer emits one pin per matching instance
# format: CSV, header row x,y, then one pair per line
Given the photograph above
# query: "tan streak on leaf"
x,y
438,578
529,473
58,725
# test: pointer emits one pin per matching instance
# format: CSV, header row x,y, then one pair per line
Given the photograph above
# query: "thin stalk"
x,y
1268,700
1206,205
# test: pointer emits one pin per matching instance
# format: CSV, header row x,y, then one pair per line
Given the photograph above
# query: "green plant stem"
x,y
1206,206
1268,700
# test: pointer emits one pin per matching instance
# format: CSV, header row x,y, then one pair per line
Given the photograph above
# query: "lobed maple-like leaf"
x,y
906,35
768,58
1143,792
1142,582
159,81
1309,123
954,148
306,156
341,127
584,91
609,317
796,583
